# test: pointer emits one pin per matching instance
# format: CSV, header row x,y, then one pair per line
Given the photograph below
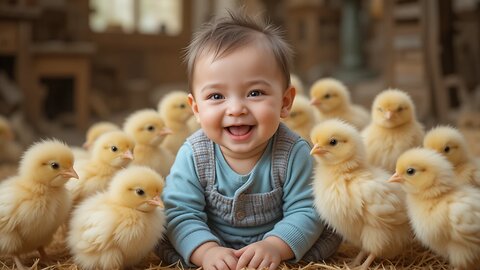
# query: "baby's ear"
x,y
193,105
287,101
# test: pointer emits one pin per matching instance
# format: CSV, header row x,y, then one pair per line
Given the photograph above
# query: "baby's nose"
x,y
236,107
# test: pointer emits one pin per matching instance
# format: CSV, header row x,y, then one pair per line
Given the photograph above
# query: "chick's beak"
x,y
86,145
388,115
314,101
396,178
156,201
164,131
128,155
69,173
317,150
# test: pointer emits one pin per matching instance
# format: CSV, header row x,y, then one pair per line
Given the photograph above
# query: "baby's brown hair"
x,y
226,34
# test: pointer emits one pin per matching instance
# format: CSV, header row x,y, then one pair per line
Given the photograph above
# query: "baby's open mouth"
x,y
239,130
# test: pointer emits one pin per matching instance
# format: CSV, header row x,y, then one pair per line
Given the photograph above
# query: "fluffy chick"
x,y
111,152
301,118
298,84
332,100
445,215
449,142
148,130
10,151
96,130
393,130
356,199
175,112
92,135
34,203
117,228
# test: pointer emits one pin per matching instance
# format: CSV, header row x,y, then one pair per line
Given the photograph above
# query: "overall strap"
x,y
204,158
282,146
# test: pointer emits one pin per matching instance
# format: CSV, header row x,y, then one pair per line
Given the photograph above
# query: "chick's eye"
x,y
183,106
293,114
150,128
411,171
54,165
333,142
380,109
114,148
327,96
255,93
400,109
140,191
447,149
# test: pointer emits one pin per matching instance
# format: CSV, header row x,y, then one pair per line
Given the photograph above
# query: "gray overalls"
x,y
247,209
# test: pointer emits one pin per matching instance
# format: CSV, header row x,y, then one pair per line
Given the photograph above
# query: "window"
x,y
137,16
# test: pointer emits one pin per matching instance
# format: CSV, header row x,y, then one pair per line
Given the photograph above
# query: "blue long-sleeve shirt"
x,y
190,224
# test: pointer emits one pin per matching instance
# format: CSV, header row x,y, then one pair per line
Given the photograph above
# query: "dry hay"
x,y
415,257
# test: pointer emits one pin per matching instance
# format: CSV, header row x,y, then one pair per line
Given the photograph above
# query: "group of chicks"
x,y
105,197
373,183
382,182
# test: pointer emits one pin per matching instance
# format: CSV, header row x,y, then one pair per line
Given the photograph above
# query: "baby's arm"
x,y
212,256
300,226
267,253
184,200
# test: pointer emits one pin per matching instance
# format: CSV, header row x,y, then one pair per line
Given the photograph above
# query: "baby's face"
x,y
239,98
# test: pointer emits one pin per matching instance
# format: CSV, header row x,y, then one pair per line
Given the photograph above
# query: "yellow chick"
x,y
111,152
10,151
148,130
449,142
117,228
301,118
393,130
445,216
92,134
356,199
34,203
175,112
193,124
332,99
298,84
96,130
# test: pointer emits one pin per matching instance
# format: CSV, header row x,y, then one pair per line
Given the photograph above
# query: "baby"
x,y
239,193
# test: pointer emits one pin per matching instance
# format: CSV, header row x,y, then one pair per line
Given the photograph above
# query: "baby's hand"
x,y
259,255
219,258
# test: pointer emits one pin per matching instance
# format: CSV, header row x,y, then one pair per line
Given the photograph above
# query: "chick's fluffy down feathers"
x,y
393,130
111,230
444,215
449,142
332,99
354,198
34,203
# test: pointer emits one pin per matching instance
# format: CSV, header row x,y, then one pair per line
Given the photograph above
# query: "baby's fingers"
x,y
231,262
245,259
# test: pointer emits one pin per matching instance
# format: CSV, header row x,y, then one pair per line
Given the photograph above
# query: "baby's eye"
x,y
215,96
255,93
